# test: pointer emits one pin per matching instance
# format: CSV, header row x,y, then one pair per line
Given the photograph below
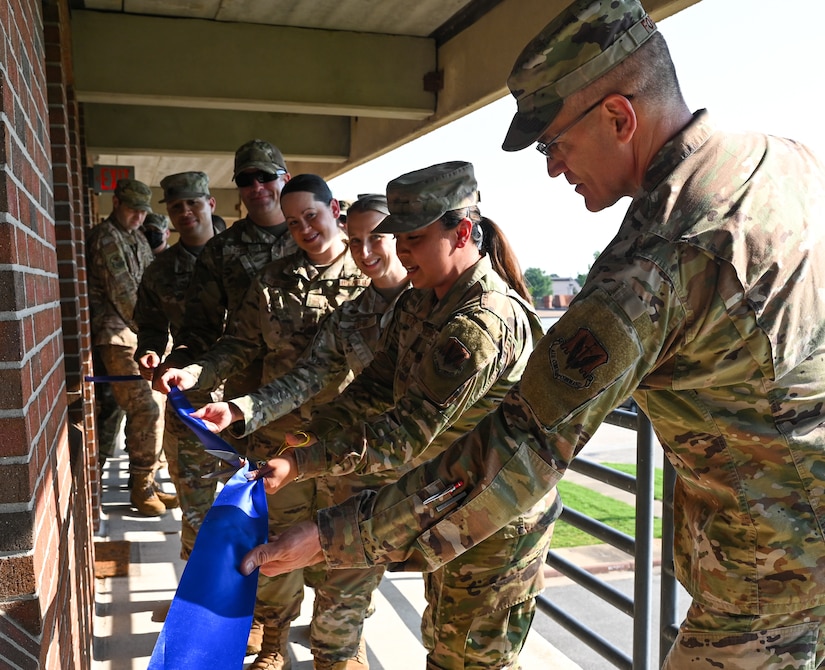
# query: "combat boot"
x,y
169,500
143,497
256,637
274,653
360,662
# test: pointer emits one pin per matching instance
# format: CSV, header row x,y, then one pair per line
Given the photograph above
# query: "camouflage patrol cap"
x,y
580,45
185,185
261,155
156,221
419,198
134,194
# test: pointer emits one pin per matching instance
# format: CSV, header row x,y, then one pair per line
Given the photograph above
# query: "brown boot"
x,y
169,500
256,637
274,651
360,662
144,497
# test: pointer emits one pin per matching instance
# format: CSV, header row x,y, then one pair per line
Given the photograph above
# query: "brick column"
x,y
46,584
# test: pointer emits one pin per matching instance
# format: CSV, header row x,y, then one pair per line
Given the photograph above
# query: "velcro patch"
x,y
450,357
463,349
592,346
575,359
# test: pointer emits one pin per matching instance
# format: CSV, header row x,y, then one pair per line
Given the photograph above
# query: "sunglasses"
x,y
248,178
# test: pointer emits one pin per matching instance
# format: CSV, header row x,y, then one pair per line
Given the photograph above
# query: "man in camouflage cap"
x,y
118,255
708,307
159,314
225,270
156,230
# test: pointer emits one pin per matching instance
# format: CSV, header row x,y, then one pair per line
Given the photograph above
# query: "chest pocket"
x,y
251,258
415,339
360,340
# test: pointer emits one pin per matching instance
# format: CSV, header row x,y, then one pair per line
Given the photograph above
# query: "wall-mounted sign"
x,y
104,177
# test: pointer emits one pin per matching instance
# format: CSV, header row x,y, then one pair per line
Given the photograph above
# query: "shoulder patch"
x,y
450,357
594,345
574,359
461,350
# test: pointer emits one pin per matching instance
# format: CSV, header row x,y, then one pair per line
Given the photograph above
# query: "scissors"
x,y
236,461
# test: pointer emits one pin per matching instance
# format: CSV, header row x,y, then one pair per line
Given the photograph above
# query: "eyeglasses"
x,y
248,178
546,148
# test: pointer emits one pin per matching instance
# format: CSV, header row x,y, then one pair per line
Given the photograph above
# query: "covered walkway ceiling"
x,y
174,85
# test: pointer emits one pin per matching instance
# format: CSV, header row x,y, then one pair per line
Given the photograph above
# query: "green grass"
x,y
610,511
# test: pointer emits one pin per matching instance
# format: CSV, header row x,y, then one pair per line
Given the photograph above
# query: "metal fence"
x,y
640,606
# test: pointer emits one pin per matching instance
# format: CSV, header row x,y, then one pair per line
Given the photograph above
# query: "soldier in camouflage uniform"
x,y
276,322
345,343
708,307
118,254
455,344
231,260
158,314
156,230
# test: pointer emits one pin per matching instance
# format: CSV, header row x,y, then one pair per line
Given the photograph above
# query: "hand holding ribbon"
x,y
208,622
297,547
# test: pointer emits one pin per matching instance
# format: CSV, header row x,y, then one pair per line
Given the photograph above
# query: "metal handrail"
x,y
640,547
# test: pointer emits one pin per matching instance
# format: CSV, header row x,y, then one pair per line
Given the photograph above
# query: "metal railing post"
x,y
643,580
640,607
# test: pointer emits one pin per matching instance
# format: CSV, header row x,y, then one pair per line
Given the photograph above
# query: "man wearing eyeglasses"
x,y
225,268
708,307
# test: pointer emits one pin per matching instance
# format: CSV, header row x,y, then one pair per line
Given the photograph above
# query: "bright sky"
x,y
754,64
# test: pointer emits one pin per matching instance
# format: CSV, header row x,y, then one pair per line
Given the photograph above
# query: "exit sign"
x,y
104,177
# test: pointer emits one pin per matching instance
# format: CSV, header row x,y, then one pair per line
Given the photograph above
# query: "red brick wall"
x,y
46,583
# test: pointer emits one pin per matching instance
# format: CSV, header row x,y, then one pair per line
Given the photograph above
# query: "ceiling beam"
x,y
192,63
135,129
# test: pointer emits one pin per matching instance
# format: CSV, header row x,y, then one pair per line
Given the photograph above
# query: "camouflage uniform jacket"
x,y
279,316
223,273
160,299
709,307
343,346
441,366
116,262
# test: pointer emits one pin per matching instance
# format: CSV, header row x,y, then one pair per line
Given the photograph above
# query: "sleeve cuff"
x,y
244,426
311,461
341,538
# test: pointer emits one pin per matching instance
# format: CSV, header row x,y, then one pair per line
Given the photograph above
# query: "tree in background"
x,y
582,277
540,284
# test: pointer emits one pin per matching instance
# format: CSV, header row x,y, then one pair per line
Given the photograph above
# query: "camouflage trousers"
x,y
714,640
279,598
188,461
143,407
342,596
480,605
108,415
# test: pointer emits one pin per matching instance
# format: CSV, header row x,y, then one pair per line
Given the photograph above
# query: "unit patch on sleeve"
x,y
573,360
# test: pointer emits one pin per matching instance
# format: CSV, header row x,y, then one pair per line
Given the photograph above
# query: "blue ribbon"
x,y
103,379
209,619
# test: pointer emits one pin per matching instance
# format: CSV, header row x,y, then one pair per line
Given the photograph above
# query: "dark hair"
x,y
490,240
309,183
